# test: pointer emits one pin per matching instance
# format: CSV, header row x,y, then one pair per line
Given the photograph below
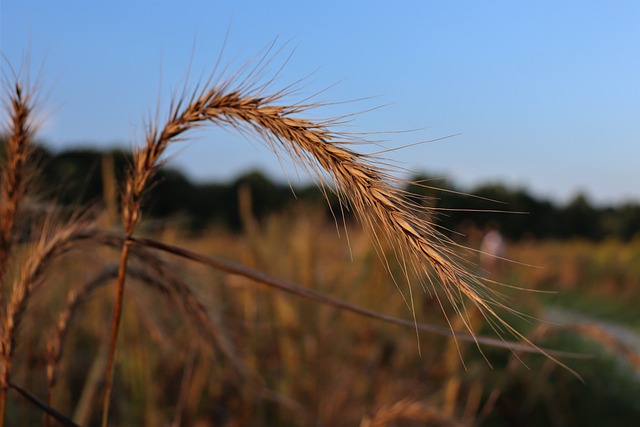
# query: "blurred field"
x,y
279,340
315,365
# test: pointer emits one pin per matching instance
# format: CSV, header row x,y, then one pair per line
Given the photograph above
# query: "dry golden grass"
x,y
420,414
358,180
402,231
19,129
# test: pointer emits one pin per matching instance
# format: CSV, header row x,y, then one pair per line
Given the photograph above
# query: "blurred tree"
x,y
580,219
75,177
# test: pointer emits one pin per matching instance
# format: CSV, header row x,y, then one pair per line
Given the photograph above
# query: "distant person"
x,y
492,249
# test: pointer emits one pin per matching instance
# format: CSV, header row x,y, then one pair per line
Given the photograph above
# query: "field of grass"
x,y
312,364
297,320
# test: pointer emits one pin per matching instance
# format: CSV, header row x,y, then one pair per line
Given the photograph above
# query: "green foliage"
x,y
74,177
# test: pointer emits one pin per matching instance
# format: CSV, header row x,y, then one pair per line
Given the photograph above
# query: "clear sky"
x,y
543,95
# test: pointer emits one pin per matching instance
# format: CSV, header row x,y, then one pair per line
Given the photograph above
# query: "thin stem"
x,y
312,295
44,406
115,326
3,400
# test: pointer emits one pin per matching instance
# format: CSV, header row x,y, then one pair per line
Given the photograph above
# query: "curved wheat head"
x,y
360,181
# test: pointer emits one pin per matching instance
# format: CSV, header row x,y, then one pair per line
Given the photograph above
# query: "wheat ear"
x,y
20,131
56,240
359,180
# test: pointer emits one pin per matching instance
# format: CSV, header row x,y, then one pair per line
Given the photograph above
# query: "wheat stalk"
x,y
362,183
299,290
55,342
19,129
359,181
160,281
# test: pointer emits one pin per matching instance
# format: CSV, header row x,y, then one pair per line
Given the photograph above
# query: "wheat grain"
x,y
20,131
360,181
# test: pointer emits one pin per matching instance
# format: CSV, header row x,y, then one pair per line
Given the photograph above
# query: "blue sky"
x,y
543,95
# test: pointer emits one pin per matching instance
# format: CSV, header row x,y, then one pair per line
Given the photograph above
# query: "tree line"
x,y
77,177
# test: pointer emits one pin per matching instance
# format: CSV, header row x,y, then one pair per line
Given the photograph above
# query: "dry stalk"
x,y
169,285
410,411
166,282
55,343
62,420
360,181
321,298
162,282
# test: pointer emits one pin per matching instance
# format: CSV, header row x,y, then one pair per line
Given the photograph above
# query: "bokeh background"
x,y
519,119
